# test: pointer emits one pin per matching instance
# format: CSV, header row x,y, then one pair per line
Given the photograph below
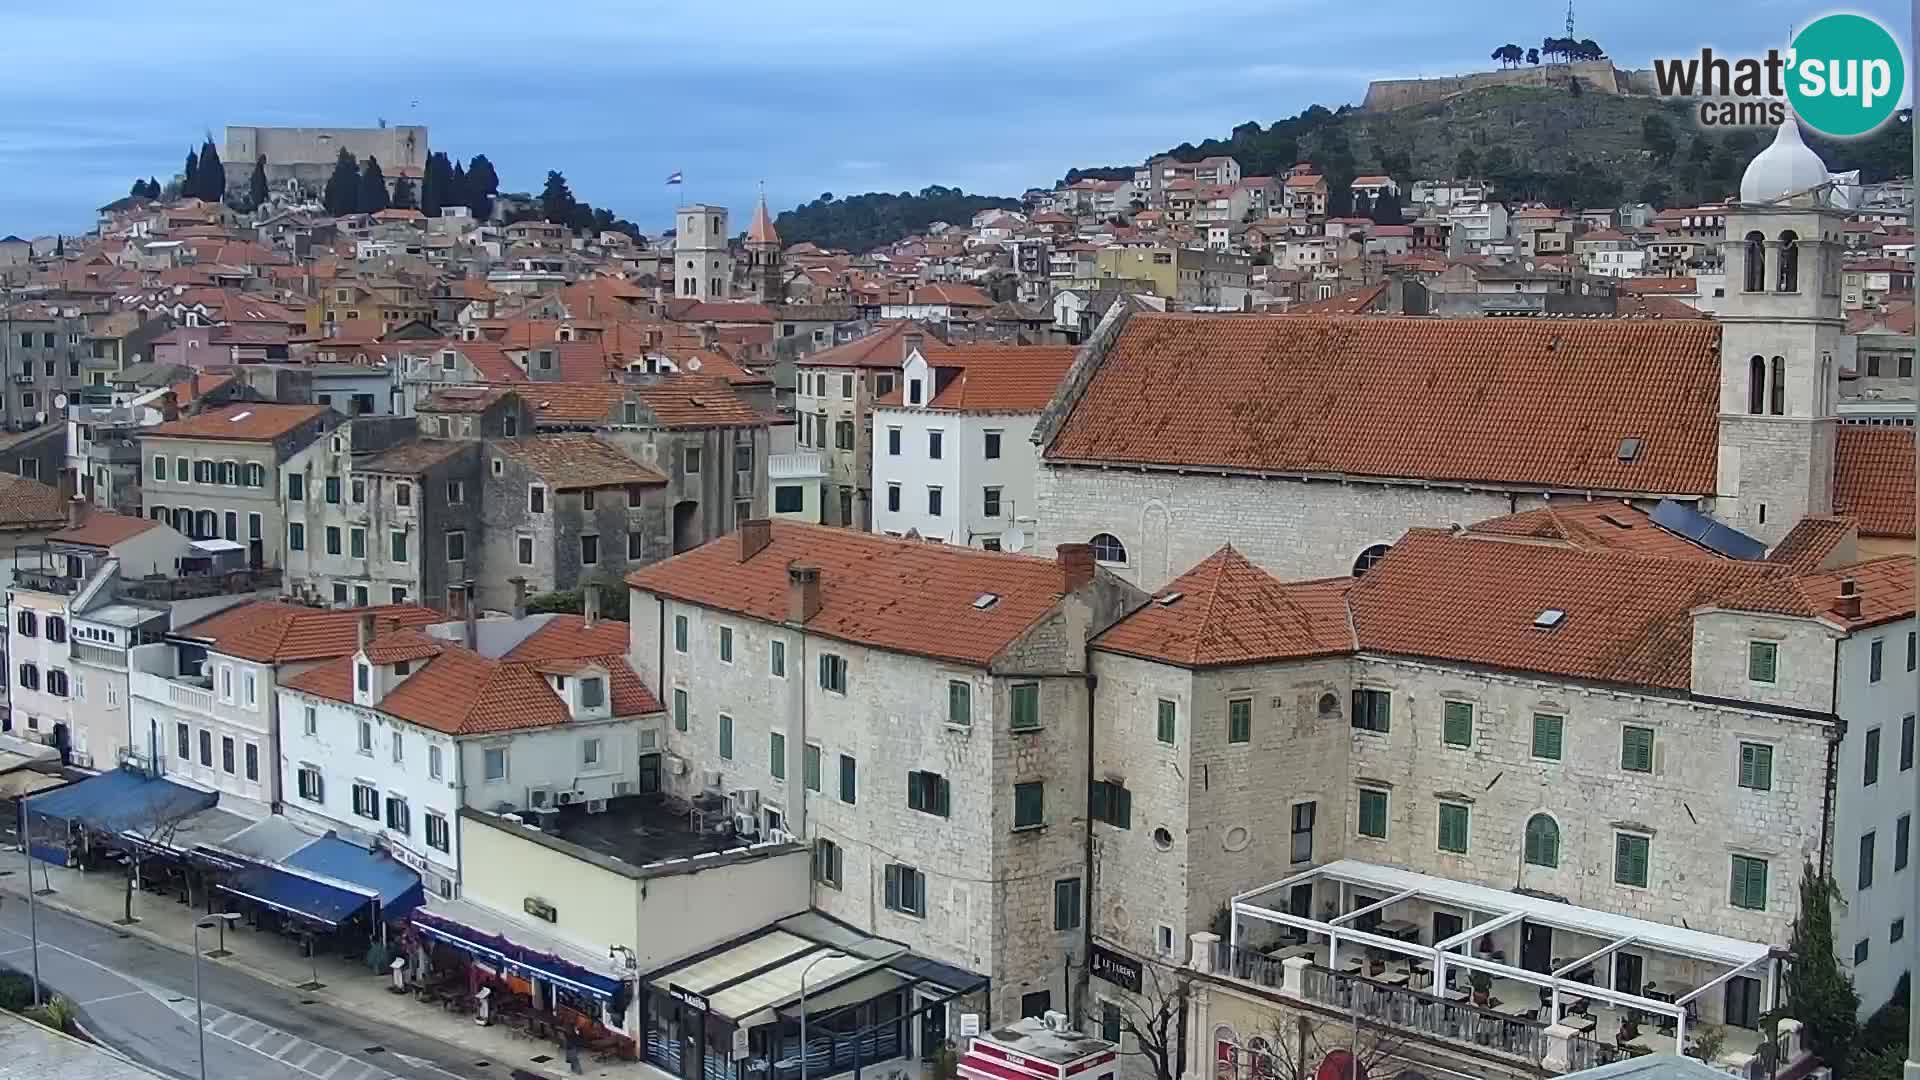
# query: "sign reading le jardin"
x,y
1843,76
1117,968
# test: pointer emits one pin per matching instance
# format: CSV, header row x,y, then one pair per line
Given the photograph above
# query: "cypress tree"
x,y
373,188
153,188
482,184
458,190
342,195
257,183
211,181
1823,996
189,178
402,194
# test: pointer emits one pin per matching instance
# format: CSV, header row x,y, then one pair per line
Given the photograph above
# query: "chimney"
x,y
519,596
755,535
803,593
1076,565
76,511
456,602
169,406
466,605
193,390
365,633
590,604
1847,604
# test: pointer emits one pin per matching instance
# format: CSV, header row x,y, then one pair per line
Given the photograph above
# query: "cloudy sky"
x,y
843,95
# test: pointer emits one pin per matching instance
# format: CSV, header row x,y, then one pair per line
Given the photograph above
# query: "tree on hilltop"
x,y
257,184
342,195
373,188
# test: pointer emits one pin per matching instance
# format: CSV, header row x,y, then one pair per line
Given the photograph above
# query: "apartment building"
x,y
216,474
833,400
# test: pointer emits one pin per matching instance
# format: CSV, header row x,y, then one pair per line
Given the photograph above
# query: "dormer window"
x,y
593,693
913,391
362,677
403,667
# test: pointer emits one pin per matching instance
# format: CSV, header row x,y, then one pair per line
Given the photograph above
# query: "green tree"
x,y
1656,134
434,181
402,194
342,194
1823,997
257,184
210,181
1496,162
153,188
1466,164
557,204
189,176
457,188
1654,193
373,188
139,188
1533,57
482,185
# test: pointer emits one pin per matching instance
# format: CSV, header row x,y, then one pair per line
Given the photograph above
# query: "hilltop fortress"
x,y
1597,76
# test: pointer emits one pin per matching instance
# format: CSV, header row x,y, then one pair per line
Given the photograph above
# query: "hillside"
x,y
860,223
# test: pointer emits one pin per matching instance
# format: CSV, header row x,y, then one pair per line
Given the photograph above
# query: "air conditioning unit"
x,y
745,800
596,806
712,779
537,797
676,765
622,787
565,798
746,825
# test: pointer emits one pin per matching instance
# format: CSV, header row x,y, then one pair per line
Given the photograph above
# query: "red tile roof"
x,y
1894,319
881,349
273,632
1228,611
29,503
1873,479
998,378
1352,302
676,401
571,461
103,528
1600,525
242,423
901,595
1812,541
1641,286
1530,402
1885,587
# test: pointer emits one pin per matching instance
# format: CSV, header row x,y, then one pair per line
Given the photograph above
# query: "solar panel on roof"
x,y
1683,520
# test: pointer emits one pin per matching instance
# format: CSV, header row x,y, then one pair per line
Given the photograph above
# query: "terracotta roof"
x,y
1601,525
274,632
465,399
1812,541
901,595
103,528
1885,587
1528,402
676,401
1352,302
720,311
1894,319
243,423
1228,611
209,382
762,231
951,294
572,461
409,459
881,349
1646,285
717,364
29,503
997,378
1656,307
1873,478
1306,180
1473,600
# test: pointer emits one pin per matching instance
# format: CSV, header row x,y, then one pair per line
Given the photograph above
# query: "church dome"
x,y
1788,167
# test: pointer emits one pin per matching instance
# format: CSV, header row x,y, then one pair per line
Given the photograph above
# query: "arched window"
x,y
1777,405
1368,557
1756,263
1107,548
1543,841
1789,262
1259,1059
1756,386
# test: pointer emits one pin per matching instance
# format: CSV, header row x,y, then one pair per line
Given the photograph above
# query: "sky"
x,y
841,96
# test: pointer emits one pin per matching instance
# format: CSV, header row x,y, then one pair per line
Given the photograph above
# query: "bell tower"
x,y
765,274
1781,327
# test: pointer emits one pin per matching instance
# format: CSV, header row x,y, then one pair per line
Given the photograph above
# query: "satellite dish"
x,y
693,364
59,401
1014,539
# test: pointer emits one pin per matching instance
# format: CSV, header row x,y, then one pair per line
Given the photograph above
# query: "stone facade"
x,y
240,498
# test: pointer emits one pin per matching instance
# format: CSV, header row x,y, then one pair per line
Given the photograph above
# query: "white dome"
x,y
1788,167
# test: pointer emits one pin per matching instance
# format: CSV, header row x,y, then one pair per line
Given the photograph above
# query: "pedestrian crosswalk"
x,y
291,1051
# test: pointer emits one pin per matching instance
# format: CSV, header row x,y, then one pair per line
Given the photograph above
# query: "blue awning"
x,y
394,883
495,951
298,895
121,800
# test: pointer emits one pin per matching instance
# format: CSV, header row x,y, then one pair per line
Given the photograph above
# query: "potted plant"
x,y
1482,984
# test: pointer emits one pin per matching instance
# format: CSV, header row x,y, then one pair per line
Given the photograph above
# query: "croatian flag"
x,y
673,178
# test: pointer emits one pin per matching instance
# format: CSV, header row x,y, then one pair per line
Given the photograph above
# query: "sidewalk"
x,y
100,898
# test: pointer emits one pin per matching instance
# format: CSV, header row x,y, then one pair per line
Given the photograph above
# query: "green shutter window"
x,y
1636,749
777,755
1749,885
959,703
1453,828
1240,720
1066,904
1168,714
1029,805
726,737
679,709
1542,841
1763,661
849,782
1111,803
1630,860
1756,766
1547,732
1026,706
1457,728
1373,814
679,633
810,766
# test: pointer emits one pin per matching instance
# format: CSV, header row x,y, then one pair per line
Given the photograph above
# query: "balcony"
x,y
798,465
231,583
45,580
99,655
190,693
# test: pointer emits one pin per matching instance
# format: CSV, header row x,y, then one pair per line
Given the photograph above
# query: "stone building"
x,y
914,711
703,267
306,155
217,473
766,270
42,353
834,396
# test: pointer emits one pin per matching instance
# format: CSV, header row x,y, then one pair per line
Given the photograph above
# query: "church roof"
x,y
761,231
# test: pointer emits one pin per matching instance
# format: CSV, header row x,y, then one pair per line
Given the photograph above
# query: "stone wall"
x,y
1599,76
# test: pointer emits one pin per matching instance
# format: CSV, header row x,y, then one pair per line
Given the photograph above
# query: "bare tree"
x,y
1152,1017
150,824
1294,1049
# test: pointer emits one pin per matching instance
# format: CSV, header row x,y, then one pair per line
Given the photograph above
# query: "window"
x,y
1870,766
1066,904
366,801
1860,950
990,502
777,755
1301,849
992,448
1763,660
56,682
359,490
1911,654
1373,813
1875,657
311,787
311,720
1167,726
959,703
183,742
777,659
456,492
27,623
1906,743
296,536
849,779
1866,860
1897,931
437,835
182,469
893,498
1548,729
826,862
637,545
1373,710
929,793
331,486
934,496
525,544
1630,859
843,434
1756,766
456,546
1111,803
1453,828
1029,805
833,673
679,708
680,633
1636,749
29,677
159,467
1107,548
399,817
810,766
906,890
1240,720
1369,558
357,543
253,761
1542,846
913,391
537,499
1024,699
1748,888
399,545
333,539
933,445
787,499
434,767
206,749
1456,727
726,644
494,763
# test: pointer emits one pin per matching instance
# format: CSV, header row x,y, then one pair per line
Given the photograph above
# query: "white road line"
x,y
334,1068
312,1050
114,997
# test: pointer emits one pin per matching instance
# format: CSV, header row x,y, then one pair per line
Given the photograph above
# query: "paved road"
x,y
138,997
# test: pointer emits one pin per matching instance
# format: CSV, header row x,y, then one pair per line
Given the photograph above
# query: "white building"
x,y
703,267
953,453
500,714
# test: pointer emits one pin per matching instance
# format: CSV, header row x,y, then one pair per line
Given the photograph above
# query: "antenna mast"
x,y
1569,18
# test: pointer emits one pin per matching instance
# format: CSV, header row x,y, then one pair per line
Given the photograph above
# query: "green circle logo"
x,y
1846,75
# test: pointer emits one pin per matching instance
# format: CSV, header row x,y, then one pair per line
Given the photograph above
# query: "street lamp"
x,y
199,1003
803,1012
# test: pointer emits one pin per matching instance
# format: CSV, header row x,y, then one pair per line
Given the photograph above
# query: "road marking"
x,y
114,997
312,1051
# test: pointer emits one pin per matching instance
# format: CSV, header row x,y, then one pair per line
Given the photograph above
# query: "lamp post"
x,y
803,1011
33,908
199,1003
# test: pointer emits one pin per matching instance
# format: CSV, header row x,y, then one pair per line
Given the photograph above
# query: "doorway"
x,y
649,774
686,525
1536,947
1372,918
1446,925
1300,901
1629,973
933,1028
